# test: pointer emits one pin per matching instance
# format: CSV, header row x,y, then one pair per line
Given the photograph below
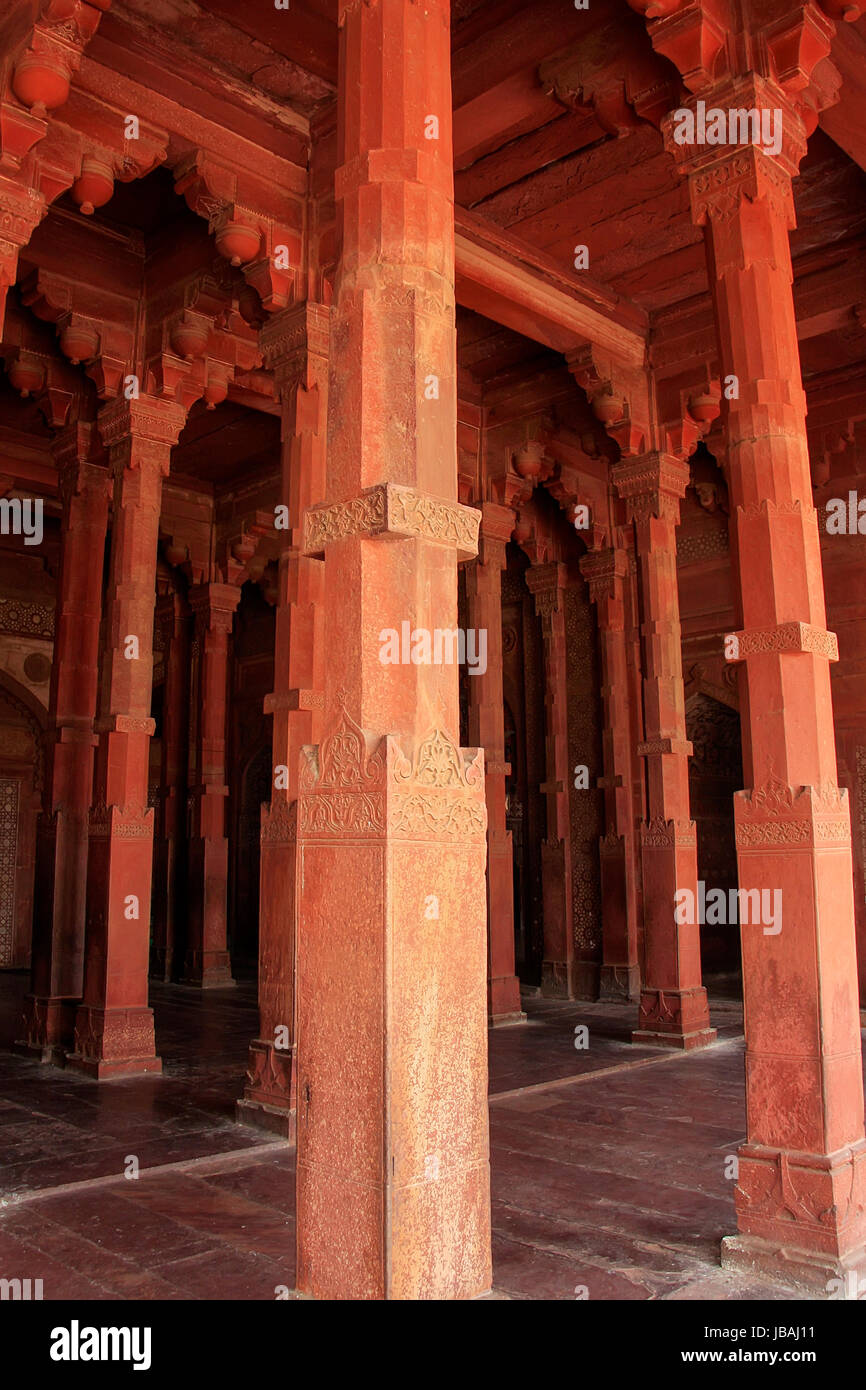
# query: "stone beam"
x,y
503,278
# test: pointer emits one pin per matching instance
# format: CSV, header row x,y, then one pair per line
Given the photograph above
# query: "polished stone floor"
x,y
608,1163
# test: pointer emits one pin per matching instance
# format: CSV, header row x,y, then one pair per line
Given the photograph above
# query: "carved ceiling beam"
x,y
615,76
43,43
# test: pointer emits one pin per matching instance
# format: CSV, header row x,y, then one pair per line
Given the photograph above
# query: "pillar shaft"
x,y
207,962
169,879
673,1004
801,1193
606,572
558,970
62,843
487,730
393,1173
114,1026
295,346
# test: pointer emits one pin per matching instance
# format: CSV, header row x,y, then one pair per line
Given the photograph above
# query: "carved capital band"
x,y
390,509
787,637
651,485
682,746
289,338
350,789
659,833
603,570
148,420
776,814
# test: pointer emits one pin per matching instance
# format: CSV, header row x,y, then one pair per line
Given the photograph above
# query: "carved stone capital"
x,y
546,583
604,571
289,338
141,432
651,485
214,605
722,177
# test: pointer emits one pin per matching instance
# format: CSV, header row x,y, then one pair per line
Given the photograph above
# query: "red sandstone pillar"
x,y
606,572
558,970
673,1002
487,730
207,961
169,894
295,346
801,1194
61,857
393,1174
114,1026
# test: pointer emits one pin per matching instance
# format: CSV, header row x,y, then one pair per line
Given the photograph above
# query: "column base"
x,y
620,982
208,970
833,1277
557,979
273,1119
269,1099
674,1018
49,1026
586,976
503,1001
161,965
686,1042
114,1042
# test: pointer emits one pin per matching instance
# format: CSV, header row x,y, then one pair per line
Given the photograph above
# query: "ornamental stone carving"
x,y
394,510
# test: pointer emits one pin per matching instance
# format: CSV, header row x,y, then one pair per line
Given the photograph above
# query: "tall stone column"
x,y
801,1193
673,1002
207,961
606,572
114,1026
558,970
393,1172
61,855
487,729
170,895
295,347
